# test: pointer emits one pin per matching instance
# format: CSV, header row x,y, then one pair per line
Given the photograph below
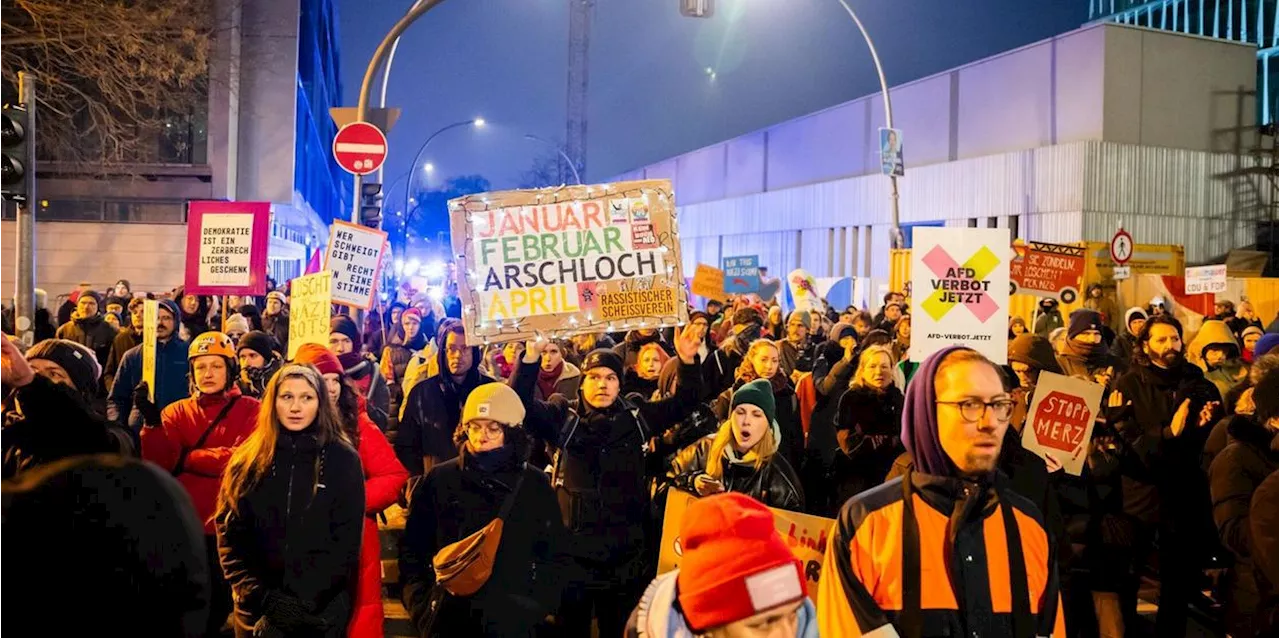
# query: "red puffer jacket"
x,y
182,425
384,476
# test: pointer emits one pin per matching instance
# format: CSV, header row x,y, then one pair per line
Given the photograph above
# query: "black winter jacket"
x,y
775,484
787,412
297,532
1154,461
455,500
91,332
874,424
432,413
600,473
1233,478
821,447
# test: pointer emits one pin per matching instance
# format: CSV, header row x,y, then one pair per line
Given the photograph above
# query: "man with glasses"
x,y
1084,355
948,548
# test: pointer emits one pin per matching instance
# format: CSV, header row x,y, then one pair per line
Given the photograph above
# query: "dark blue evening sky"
x,y
650,96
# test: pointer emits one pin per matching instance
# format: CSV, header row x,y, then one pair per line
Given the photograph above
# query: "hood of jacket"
x,y
442,360
658,617
1129,314
1212,332
1247,430
1035,351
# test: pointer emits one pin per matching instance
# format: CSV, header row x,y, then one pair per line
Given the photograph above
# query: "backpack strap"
x,y
511,498
556,479
222,414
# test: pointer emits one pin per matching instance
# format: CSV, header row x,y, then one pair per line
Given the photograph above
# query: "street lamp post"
x,y
896,238
413,168
577,178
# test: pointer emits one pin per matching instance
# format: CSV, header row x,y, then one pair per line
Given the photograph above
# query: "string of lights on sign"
x,y
466,213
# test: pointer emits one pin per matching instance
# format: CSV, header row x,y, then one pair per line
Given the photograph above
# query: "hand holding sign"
x,y
534,348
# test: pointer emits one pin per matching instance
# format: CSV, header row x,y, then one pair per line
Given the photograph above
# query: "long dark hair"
x,y
252,460
1139,348
349,411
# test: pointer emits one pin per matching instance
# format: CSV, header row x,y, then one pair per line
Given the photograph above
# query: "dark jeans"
x,y
219,591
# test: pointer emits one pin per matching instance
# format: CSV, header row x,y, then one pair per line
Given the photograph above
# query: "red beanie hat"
x,y
319,356
735,562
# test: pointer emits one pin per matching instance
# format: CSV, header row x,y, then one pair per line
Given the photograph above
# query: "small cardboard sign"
x,y
309,310
150,319
708,283
806,535
1060,419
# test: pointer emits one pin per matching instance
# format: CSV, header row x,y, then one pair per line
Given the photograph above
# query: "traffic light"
x,y
697,8
371,204
15,139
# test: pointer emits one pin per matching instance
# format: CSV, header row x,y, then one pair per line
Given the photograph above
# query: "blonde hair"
x,y
764,449
859,381
747,371
252,459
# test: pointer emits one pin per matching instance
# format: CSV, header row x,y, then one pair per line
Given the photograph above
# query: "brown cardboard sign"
x,y
567,260
708,283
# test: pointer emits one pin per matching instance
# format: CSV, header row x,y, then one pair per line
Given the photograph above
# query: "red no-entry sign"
x,y
360,148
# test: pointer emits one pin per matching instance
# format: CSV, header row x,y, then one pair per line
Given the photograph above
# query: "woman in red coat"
x,y
384,477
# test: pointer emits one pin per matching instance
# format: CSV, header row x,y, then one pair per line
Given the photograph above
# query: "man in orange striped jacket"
x,y
948,549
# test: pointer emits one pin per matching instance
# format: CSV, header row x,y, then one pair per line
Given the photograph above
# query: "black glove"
x,y
142,401
264,629
288,614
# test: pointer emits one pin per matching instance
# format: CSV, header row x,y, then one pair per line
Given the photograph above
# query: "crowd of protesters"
x,y
535,473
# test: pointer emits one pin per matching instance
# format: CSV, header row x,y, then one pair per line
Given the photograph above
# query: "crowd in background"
x,y
269,472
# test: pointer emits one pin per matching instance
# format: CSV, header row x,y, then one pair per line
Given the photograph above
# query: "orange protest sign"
x,y
708,283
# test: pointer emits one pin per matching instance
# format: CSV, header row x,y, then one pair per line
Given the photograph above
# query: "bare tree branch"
x,y
120,81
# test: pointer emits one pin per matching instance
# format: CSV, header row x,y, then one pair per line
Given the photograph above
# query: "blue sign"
x,y
741,274
891,152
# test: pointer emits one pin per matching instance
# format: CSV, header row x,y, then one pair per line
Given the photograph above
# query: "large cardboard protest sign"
x,y
567,260
805,534
708,283
309,310
150,320
354,256
960,291
227,248
741,274
1060,419
1047,270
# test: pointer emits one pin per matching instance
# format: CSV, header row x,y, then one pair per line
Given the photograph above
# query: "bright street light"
x,y
478,122
428,167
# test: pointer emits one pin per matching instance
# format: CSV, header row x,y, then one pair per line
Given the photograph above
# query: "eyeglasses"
x,y
972,410
492,429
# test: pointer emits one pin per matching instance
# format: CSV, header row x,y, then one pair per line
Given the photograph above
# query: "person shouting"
x,y
194,439
599,474
488,479
289,515
743,456
384,477
761,362
952,515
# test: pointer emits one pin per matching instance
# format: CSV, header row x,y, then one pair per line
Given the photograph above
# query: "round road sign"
x,y
1121,247
360,148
